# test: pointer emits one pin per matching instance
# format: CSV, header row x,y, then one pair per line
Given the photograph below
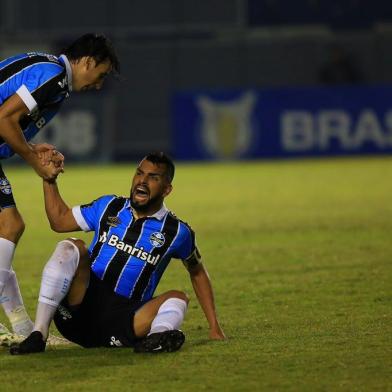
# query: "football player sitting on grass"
x,y
104,295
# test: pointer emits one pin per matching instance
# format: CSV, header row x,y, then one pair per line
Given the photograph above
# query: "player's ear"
x,y
168,189
89,62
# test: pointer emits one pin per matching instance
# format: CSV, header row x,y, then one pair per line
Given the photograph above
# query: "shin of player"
x,y
58,275
10,296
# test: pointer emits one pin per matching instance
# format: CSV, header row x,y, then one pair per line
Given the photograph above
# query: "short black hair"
x,y
96,46
162,158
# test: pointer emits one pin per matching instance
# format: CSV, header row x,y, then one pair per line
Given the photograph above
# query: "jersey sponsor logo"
x,y
115,342
50,57
157,239
139,253
5,186
65,314
103,237
63,82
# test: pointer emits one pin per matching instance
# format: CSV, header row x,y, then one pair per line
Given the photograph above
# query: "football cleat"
x,y
34,343
167,341
8,338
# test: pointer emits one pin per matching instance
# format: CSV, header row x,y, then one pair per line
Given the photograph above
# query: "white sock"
x,y
170,316
11,297
13,306
56,281
43,318
7,250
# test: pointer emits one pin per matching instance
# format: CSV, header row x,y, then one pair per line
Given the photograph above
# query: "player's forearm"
x,y
55,207
12,134
205,295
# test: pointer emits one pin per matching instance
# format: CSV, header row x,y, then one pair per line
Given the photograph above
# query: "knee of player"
x,y
179,294
80,245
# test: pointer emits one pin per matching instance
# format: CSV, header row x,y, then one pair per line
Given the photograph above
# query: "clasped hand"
x,y
49,162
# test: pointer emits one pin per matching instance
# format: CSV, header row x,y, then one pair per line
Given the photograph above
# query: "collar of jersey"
x,y
68,68
160,214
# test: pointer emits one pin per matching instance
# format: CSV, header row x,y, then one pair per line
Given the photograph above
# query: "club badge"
x,y
5,186
157,239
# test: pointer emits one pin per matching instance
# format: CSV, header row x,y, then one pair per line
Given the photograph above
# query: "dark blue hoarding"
x,y
282,122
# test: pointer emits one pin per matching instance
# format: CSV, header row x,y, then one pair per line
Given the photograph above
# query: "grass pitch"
x,y
299,253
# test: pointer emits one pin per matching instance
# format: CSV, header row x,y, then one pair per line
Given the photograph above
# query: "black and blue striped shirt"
x,y
128,254
42,81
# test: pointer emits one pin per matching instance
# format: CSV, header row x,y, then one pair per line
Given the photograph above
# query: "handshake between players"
x,y
49,162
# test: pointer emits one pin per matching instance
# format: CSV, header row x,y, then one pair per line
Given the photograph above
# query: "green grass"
x,y
299,253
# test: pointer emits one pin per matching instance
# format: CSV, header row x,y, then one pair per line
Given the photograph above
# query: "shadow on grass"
x,y
60,357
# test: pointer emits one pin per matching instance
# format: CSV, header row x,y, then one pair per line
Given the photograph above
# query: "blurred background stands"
x,y
172,45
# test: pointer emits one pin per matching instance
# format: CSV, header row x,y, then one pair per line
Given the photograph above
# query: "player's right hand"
x,y
58,160
48,172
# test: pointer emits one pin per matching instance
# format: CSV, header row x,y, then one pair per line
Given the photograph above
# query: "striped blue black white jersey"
x,y
42,81
128,254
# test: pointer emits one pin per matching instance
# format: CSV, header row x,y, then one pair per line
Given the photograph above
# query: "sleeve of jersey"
x,y
188,251
40,82
33,129
88,216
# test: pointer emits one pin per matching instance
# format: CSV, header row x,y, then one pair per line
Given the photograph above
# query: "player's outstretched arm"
x,y
205,295
59,214
11,113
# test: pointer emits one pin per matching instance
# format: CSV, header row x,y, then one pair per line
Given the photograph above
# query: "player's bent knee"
x,y
80,245
178,294
83,270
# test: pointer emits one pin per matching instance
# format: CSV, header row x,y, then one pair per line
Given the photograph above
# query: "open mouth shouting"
x,y
140,194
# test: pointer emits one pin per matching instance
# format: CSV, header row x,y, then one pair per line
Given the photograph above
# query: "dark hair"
x,y
93,45
162,158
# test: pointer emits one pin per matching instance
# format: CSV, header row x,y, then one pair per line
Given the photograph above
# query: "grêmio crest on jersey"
x,y
157,239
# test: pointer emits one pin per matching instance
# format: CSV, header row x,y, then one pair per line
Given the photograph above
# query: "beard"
x,y
143,207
